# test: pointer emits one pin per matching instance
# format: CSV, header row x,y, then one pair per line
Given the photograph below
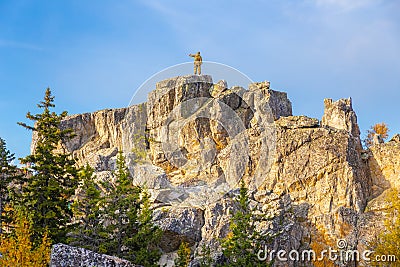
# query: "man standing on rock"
x,y
198,60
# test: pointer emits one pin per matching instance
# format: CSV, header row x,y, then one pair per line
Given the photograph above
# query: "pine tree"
x,y
183,259
17,249
54,176
8,173
144,243
121,211
132,235
242,244
88,208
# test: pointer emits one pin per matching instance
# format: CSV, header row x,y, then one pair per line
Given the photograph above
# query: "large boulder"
x,y
277,101
179,224
67,256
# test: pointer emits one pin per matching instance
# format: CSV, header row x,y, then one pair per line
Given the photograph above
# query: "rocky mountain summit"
x,y
193,140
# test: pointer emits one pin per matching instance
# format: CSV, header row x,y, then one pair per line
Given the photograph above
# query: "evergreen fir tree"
x,y
54,176
132,235
144,243
242,244
88,208
121,211
8,173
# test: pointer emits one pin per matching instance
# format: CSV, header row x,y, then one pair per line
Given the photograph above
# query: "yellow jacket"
x,y
197,58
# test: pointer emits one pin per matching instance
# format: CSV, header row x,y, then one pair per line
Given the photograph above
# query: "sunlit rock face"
x,y
193,141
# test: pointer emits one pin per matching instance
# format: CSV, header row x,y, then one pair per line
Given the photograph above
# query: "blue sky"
x,y
95,54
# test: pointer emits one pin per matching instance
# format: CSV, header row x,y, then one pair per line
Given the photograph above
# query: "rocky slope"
x,y
193,140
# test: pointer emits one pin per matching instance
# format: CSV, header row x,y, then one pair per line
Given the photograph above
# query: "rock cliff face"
x,y
193,140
